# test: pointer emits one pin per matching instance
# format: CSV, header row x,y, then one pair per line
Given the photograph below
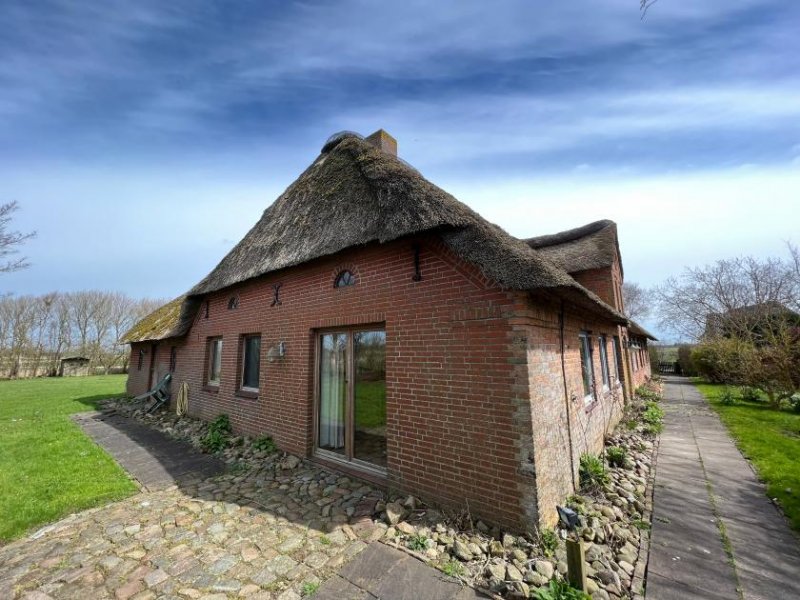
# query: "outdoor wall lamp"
x,y
276,351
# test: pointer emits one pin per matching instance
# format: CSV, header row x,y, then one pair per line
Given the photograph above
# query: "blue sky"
x,y
143,139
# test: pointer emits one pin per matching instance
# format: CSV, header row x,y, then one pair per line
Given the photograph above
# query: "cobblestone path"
x,y
264,533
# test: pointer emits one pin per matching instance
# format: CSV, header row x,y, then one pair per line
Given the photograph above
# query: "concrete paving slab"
x,y
703,484
385,573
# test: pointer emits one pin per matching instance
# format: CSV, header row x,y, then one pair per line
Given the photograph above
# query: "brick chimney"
x,y
383,141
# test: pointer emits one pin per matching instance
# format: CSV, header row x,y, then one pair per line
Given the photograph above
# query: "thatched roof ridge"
x,y
354,194
171,320
636,329
591,246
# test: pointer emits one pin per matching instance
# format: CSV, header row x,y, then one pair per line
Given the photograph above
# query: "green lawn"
x,y
48,467
370,404
771,440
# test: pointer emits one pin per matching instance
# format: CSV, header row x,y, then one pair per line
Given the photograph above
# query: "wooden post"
x,y
576,569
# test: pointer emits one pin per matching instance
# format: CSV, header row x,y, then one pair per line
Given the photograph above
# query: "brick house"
x,y
375,324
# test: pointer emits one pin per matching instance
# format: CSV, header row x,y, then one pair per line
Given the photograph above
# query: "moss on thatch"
x,y
354,194
171,320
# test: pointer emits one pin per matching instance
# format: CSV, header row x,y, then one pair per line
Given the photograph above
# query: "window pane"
x,y
369,428
586,365
215,360
332,391
251,361
604,361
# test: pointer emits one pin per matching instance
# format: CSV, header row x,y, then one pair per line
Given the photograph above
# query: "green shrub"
x,y
646,393
560,590
616,456
727,398
417,542
548,539
750,394
219,434
592,471
453,568
794,402
265,444
653,414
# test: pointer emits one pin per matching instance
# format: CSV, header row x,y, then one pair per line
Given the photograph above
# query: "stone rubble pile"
x,y
613,520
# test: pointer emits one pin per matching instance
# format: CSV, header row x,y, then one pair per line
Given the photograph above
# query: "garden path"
x,y
715,533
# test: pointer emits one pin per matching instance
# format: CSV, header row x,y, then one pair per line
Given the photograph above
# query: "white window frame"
x,y
214,350
246,337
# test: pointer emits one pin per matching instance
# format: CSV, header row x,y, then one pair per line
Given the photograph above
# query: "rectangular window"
x,y
604,362
618,359
141,360
251,362
214,360
586,366
173,358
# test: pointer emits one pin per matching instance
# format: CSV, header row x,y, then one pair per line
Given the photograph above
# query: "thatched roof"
x,y
635,329
171,320
355,194
593,246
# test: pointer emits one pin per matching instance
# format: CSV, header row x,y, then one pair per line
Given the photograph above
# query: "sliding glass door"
x,y
351,397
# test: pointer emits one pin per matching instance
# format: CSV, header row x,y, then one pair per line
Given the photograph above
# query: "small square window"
x,y
251,362
214,360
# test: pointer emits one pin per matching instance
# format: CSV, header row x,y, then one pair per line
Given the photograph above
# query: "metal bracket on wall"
x,y
276,291
417,274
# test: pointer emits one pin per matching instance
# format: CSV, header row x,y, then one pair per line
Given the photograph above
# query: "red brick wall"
x,y
456,374
139,380
564,424
475,396
640,369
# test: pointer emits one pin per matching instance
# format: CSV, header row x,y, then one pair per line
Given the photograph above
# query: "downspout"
x,y
566,394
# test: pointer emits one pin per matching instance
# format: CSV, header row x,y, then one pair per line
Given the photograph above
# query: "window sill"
x,y
209,387
252,394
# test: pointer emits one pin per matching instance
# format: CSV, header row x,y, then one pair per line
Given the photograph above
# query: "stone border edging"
x,y
638,591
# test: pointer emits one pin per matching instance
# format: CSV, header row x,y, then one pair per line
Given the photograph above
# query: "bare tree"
x,y
636,301
37,331
726,287
11,240
746,314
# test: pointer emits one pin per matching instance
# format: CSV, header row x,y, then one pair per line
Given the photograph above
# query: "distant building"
x,y
74,366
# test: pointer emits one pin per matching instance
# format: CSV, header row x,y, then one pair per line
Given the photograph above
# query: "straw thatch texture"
x,y
354,194
171,320
593,246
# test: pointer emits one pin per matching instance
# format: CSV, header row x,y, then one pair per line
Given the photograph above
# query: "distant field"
x,y
48,467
